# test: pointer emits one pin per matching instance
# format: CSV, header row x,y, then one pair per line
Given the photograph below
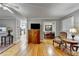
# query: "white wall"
x,y
17,29
58,27
67,24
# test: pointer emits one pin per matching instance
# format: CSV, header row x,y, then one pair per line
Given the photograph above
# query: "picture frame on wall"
x,y
48,27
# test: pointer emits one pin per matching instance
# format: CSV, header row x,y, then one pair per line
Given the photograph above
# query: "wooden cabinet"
x,y
34,36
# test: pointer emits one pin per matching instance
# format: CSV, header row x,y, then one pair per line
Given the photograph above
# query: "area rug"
x,y
4,48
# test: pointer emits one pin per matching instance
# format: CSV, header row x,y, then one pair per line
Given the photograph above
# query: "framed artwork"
x,y
48,27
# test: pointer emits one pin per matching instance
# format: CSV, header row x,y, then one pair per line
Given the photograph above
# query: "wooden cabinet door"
x,y
34,36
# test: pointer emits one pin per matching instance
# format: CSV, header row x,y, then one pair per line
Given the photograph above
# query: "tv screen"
x,y
35,26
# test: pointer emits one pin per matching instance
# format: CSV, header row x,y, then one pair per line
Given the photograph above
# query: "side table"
x,y
3,40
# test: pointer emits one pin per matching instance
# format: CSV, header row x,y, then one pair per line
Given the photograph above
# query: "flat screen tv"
x,y
35,26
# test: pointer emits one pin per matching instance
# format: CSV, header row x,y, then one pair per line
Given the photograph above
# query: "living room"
x,y
49,29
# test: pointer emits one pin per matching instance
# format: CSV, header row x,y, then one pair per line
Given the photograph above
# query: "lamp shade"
x,y
73,30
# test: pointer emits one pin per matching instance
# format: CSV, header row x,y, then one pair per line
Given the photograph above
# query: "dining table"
x,y
71,42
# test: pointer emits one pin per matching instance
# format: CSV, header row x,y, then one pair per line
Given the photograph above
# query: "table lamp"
x,y
73,31
9,30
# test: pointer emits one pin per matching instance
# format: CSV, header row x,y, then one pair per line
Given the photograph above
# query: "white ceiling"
x,y
5,14
42,10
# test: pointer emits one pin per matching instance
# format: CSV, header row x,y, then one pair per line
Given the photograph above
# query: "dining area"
x,y
71,45
67,45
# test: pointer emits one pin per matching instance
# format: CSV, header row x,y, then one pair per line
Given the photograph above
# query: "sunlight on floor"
x,y
50,51
23,45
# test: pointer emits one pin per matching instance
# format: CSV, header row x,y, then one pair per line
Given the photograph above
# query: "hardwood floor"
x,y
45,48
39,50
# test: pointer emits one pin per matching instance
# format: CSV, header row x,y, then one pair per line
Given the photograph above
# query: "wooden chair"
x,y
76,46
61,36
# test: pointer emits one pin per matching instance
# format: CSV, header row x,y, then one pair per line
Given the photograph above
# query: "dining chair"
x,y
59,38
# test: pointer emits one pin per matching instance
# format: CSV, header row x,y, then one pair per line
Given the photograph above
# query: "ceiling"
x,y
41,10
